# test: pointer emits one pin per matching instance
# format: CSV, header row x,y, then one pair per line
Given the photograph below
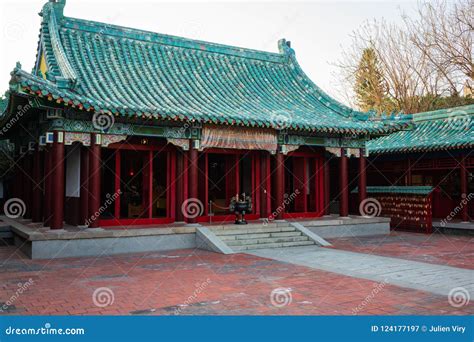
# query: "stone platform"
x,y
38,242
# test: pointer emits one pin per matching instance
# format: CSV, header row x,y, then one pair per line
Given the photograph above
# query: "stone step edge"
x,y
238,237
233,243
253,231
273,245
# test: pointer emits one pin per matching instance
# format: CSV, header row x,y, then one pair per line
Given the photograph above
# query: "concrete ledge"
x,y
351,230
207,240
50,249
453,225
332,227
24,231
334,220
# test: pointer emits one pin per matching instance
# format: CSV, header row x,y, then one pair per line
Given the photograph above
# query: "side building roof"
x,y
442,129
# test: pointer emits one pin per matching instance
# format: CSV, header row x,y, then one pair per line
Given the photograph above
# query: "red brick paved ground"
x,y
456,251
156,283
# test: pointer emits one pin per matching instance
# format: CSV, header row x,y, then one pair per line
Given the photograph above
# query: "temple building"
x,y
436,153
119,127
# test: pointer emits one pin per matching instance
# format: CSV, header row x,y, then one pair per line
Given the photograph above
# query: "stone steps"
x,y
250,237
257,236
237,231
272,245
268,240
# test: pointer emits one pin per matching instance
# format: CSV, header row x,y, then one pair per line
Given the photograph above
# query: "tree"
x,y
424,63
370,87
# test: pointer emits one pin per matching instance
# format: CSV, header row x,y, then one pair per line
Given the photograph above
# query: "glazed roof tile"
x,y
436,130
130,72
411,190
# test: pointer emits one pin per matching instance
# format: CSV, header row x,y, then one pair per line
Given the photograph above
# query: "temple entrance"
x,y
137,186
223,175
303,185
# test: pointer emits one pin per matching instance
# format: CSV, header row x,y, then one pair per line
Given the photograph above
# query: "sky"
x,y
318,30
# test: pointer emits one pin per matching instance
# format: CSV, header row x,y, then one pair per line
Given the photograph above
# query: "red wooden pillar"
x,y
193,179
464,206
36,213
57,186
327,187
16,186
344,188
180,179
84,191
19,178
48,167
362,178
280,185
94,181
409,176
27,184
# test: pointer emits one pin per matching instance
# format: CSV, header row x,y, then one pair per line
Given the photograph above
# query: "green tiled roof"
x,y
436,130
130,72
3,104
412,190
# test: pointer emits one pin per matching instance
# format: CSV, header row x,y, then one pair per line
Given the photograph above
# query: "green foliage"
x,y
370,86
373,93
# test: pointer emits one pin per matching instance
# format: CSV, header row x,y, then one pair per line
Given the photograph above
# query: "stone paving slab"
x,y
436,279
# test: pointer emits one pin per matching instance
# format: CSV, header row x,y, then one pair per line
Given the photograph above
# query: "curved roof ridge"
x,y
64,66
322,96
445,113
171,40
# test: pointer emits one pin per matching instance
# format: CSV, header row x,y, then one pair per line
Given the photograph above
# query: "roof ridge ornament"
x,y
52,9
284,47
